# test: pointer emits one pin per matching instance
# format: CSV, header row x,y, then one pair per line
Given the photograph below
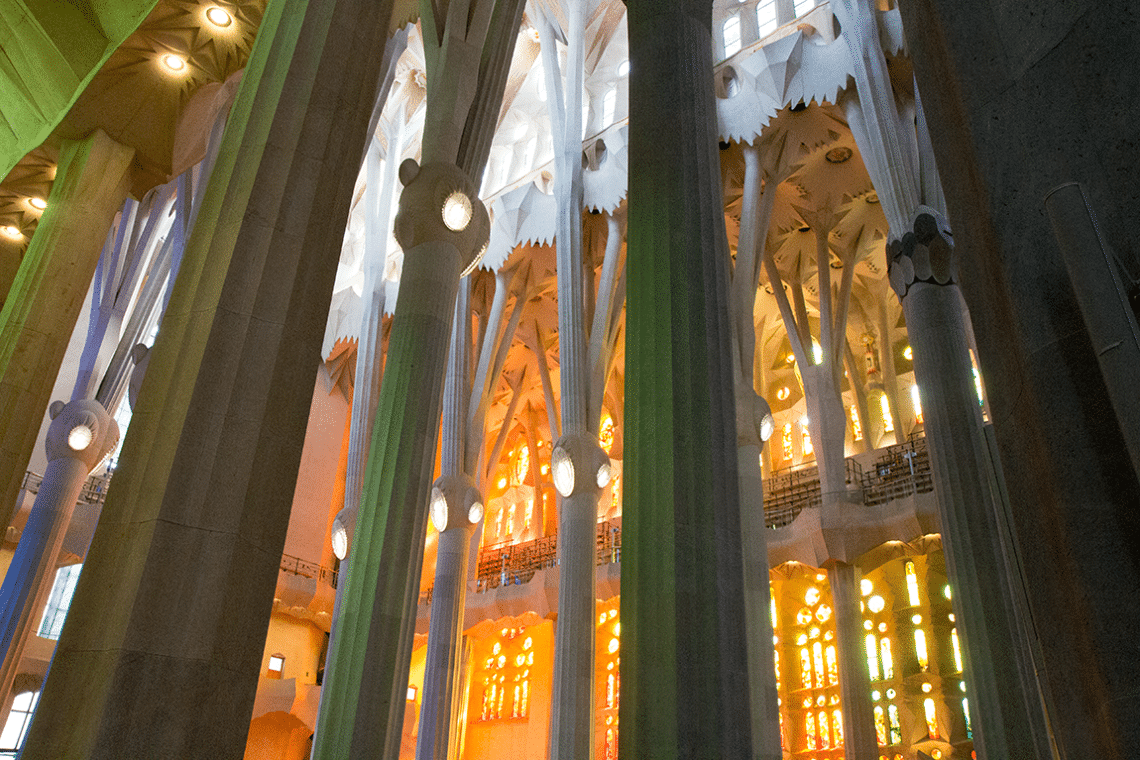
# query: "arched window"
x,y
16,727
60,599
766,20
803,6
731,31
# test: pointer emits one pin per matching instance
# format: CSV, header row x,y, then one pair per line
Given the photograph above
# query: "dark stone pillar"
x,y
684,668
162,648
1019,100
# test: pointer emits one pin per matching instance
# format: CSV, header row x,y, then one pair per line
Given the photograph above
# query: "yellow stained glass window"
x,y
832,666
805,668
920,649
873,656
856,428
931,719
817,655
606,434
888,661
525,697
912,585
824,730
957,649
896,728
880,726
809,730
837,727
885,408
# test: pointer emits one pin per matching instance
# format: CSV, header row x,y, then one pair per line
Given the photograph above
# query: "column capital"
x,y
81,430
440,203
455,502
924,255
578,464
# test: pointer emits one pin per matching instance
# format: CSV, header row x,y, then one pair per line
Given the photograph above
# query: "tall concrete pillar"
x,y
162,649
859,741
47,295
80,436
684,668
1008,721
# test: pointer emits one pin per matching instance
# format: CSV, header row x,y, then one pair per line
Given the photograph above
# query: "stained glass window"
x,y
516,703
880,726
837,727
920,649
525,697
917,403
957,649
808,449
805,668
832,666
885,408
817,654
888,662
809,730
610,690
912,585
873,656
856,428
931,719
824,730
896,728
786,442
966,714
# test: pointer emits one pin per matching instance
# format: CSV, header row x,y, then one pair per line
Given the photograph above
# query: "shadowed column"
x,y
684,669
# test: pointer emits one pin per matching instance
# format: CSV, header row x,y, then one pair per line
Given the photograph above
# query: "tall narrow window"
x,y
896,727
912,585
824,730
885,408
957,649
917,403
832,666
60,599
880,726
609,107
809,727
856,428
766,17
817,655
525,697
873,656
516,703
803,6
888,661
931,718
16,728
920,649
731,30
808,449
805,668
837,727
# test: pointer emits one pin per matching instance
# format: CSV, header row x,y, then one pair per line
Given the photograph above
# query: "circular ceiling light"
x,y
339,540
39,204
457,211
784,392
80,437
219,17
12,232
174,62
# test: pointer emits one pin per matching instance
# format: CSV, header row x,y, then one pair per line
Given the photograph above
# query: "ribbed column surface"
x,y
44,301
162,649
859,741
684,670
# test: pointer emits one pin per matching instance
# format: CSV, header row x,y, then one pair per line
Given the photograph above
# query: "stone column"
x,y
46,297
579,469
684,668
456,508
362,702
859,741
80,436
1008,720
162,649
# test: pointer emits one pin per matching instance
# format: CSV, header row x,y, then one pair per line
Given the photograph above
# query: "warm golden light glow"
x,y
172,62
11,232
219,17
39,204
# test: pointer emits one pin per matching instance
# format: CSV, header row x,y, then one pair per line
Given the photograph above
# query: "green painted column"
x,y
162,648
684,669
43,304
48,53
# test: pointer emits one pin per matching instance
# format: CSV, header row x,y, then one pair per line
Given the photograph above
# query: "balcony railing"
x,y
306,569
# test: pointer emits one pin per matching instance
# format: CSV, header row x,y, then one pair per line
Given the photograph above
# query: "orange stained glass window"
x,y
606,434
525,698
920,649
837,727
957,650
809,730
610,684
499,702
805,668
873,656
832,666
776,658
824,731
856,428
516,703
817,653
888,662
912,585
786,442
611,744
880,726
931,718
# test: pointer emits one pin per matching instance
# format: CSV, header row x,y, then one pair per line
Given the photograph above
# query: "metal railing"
x,y
306,569
94,488
897,472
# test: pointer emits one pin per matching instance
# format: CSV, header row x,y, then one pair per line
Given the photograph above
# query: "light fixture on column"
x,y
457,211
475,513
12,232
174,63
80,437
342,526
438,509
39,204
578,451
219,17
767,421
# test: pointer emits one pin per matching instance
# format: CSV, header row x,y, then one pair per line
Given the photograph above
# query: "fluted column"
x,y
859,742
363,700
161,652
80,436
456,509
46,297
1007,720
684,669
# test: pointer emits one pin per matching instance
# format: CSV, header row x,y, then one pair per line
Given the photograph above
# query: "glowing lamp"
x,y
563,471
457,211
475,513
219,17
605,472
174,62
438,509
12,232
39,204
342,527
80,437
876,603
